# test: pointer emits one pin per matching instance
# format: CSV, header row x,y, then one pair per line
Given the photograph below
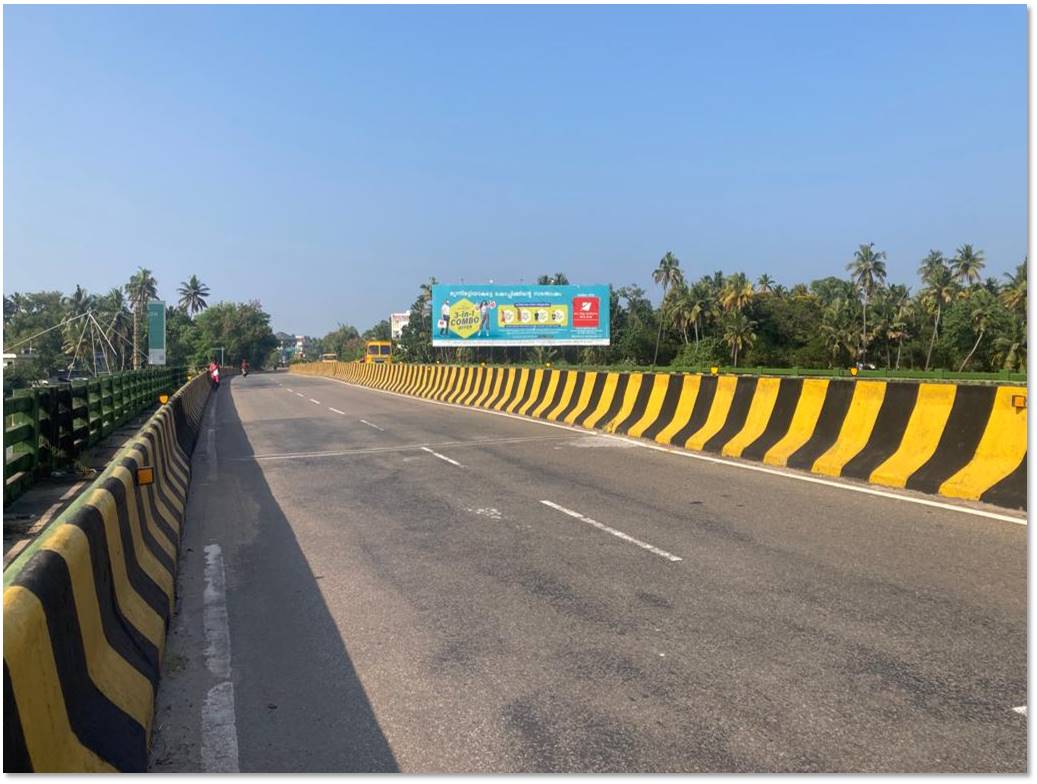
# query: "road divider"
x,y
958,440
88,604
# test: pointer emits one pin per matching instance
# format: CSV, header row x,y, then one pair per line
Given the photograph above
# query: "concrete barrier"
x,y
87,605
957,440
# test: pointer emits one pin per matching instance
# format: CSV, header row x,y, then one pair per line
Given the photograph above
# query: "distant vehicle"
x,y
329,357
378,351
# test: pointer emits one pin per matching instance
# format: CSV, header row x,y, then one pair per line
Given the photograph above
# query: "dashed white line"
x,y
314,401
300,394
289,389
442,457
372,424
336,411
732,462
219,725
608,529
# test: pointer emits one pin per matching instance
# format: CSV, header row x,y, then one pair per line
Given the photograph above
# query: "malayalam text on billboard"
x,y
494,315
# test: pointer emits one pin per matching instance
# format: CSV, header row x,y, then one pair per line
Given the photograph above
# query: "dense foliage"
x,y
57,336
955,320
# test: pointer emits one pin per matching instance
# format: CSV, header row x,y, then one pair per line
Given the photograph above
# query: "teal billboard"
x,y
156,333
492,315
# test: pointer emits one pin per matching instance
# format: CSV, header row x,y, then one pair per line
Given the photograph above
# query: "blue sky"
x,y
326,160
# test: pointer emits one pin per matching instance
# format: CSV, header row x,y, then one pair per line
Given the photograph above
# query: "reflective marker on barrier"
x,y
146,475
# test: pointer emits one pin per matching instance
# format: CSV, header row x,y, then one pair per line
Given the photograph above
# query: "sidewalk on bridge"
x,y
30,514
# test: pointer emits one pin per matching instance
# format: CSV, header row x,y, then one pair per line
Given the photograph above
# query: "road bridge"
x,y
370,582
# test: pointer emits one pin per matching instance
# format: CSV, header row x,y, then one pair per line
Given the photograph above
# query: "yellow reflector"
x,y
163,399
145,476
1019,401
853,371
714,370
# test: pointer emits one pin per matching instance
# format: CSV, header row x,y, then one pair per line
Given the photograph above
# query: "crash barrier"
x,y
957,440
87,606
46,428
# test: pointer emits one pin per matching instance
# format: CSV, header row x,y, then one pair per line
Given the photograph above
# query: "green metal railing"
x,y
47,428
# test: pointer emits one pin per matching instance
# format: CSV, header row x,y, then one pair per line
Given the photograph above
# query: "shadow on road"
x,y
299,702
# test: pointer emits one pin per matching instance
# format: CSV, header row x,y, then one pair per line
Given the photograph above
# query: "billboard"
x,y
397,321
493,315
156,332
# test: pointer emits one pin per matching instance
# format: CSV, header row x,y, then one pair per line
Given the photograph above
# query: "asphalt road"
x,y
422,588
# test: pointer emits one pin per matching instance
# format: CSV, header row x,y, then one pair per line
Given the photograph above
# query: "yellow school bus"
x,y
378,351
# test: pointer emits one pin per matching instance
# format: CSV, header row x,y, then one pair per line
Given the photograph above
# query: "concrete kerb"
x,y
86,608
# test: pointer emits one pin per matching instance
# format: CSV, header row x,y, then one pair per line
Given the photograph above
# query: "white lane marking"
x,y
213,470
300,394
1021,710
401,448
314,401
289,389
607,529
219,729
336,411
371,424
732,462
442,457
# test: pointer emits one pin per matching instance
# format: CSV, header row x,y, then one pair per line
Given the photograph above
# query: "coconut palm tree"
x,y
667,274
192,295
736,293
940,288
967,265
765,284
980,318
1013,295
141,288
868,272
116,319
738,333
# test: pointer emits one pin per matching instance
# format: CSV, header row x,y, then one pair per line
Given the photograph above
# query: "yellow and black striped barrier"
x,y
957,440
87,606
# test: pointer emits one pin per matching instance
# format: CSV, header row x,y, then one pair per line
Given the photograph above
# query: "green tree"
x,y
939,290
667,274
981,313
141,288
345,342
558,279
967,265
737,293
765,284
738,333
380,331
241,328
193,294
868,272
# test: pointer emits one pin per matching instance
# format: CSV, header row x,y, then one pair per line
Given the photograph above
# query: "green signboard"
x,y
156,333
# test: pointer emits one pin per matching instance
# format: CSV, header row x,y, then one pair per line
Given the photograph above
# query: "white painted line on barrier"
x,y
314,401
371,424
219,723
1020,710
733,463
336,411
608,529
442,457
